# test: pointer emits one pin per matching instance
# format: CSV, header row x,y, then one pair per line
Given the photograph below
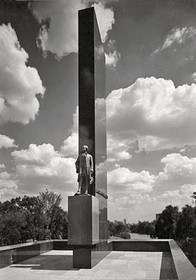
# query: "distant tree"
x,y
194,198
50,204
166,225
125,235
119,227
111,228
37,218
116,228
13,227
144,227
186,223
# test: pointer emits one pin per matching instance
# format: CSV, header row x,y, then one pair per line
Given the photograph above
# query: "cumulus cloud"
x,y
35,155
177,36
125,180
133,207
59,34
19,83
173,185
129,191
8,186
153,111
112,58
178,170
193,77
59,20
178,197
70,144
139,207
132,200
6,142
2,166
4,175
43,167
105,18
117,149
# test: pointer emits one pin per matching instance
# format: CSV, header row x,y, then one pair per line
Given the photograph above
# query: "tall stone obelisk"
x,y
88,214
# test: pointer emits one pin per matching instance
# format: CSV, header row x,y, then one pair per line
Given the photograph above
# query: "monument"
x,y
87,211
85,170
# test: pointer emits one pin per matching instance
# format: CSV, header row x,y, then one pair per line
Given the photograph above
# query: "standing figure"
x,y
84,168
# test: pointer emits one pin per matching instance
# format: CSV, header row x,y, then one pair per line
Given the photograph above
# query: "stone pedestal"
x,y
83,229
83,217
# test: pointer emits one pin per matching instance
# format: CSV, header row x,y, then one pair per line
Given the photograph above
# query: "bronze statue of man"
x,y
84,168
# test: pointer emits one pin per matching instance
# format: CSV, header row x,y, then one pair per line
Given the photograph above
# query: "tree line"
x,y
41,217
32,218
171,224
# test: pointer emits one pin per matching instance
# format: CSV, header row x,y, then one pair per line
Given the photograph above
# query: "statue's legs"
x,y
84,181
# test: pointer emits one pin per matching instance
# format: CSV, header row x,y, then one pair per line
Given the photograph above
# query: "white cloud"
x,y
117,149
105,18
129,191
133,207
59,34
4,175
127,181
154,111
8,186
6,142
8,191
112,58
60,37
132,200
180,196
179,170
70,144
19,83
193,77
35,155
142,206
40,167
2,166
177,36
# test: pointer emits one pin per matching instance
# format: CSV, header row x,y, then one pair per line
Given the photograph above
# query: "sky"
x,y
150,95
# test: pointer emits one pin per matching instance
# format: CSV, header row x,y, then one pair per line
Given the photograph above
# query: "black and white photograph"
x,y
98,139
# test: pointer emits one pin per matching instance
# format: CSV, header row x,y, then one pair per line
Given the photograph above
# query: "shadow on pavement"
x,y
47,262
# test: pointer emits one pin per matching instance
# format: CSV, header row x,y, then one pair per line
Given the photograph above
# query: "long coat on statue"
x,y
84,164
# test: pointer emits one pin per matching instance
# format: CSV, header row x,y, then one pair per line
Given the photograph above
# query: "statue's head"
x,y
85,148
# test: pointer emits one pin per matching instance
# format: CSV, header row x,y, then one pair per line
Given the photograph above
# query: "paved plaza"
x,y
58,265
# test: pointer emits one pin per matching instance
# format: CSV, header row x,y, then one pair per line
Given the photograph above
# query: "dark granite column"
x,y
92,107
92,127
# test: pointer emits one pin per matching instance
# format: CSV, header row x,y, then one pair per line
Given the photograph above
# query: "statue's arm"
x,y
77,165
91,165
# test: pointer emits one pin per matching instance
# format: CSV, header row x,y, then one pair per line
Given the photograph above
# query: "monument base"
x,y
86,257
83,217
83,231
